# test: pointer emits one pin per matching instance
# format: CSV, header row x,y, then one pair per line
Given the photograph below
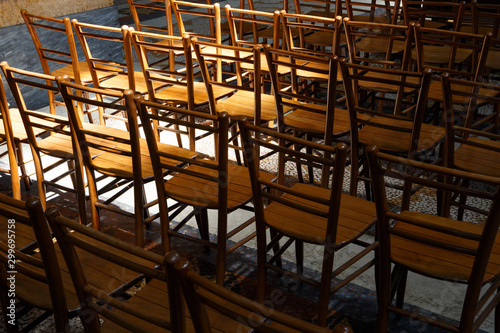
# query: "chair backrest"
x,y
400,82
434,14
55,45
38,124
329,159
202,294
72,237
19,262
260,21
237,56
469,66
300,32
392,42
197,15
7,137
379,11
148,47
458,250
484,125
144,10
324,68
485,18
107,50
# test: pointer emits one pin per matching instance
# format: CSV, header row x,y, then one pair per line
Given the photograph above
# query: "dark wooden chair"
x,y
314,116
375,11
209,183
473,143
48,135
321,8
203,295
398,128
38,284
432,243
155,304
304,213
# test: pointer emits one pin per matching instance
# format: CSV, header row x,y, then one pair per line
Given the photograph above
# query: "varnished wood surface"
x,y
479,160
242,105
356,216
398,141
179,94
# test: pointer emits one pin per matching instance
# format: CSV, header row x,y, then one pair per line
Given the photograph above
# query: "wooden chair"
x,y
155,304
258,37
473,144
390,43
435,245
202,295
305,213
123,155
248,100
13,135
321,8
55,45
315,116
202,183
312,35
109,49
37,284
48,135
398,128
434,14
462,55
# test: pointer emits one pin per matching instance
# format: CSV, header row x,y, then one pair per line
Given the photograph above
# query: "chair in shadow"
x,y
202,295
430,241
306,214
473,143
123,161
37,284
48,135
210,183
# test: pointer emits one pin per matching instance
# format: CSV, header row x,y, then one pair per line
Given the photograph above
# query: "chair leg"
x,y
299,254
497,316
325,286
20,159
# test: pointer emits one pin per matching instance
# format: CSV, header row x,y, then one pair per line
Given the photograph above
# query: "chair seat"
x,y
479,160
178,94
323,38
307,121
378,45
436,92
242,104
203,193
207,50
397,141
155,292
441,54
428,260
121,82
356,216
109,163
85,75
18,130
